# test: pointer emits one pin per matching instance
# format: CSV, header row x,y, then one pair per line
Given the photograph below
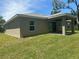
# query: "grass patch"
x,y
47,46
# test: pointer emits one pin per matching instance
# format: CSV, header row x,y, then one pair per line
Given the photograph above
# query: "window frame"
x,y
30,25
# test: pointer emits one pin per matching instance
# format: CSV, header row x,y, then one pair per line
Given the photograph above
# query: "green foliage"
x,y
73,11
2,21
59,4
54,11
2,29
70,1
47,46
56,6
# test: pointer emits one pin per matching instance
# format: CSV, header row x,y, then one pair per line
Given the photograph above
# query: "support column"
x,y
63,26
72,26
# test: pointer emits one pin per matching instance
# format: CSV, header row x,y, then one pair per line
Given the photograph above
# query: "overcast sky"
x,y
9,8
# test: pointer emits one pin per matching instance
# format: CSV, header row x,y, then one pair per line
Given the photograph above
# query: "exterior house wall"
x,y
41,26
20,26
13,32
13,28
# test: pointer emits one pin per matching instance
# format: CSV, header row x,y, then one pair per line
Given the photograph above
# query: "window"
x,y
32,25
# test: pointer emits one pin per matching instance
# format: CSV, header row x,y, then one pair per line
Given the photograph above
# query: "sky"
x,y
9,8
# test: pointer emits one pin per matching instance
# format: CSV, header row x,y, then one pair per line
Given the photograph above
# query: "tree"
x,y
74,12
2,21
57,5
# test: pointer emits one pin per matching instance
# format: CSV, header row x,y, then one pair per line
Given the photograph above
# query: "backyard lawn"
x,y
45,46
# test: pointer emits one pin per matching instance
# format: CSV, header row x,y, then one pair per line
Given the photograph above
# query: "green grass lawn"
x,y
46,46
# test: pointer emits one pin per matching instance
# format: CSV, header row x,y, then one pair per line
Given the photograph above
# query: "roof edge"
x,y
11,19
38,16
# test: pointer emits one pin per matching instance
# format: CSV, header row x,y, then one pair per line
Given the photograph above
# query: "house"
x,y
23,25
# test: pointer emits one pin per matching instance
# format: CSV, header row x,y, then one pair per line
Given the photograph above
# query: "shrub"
x,y
2,29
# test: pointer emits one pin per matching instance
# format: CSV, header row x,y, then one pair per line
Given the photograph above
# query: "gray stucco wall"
x,y
13,28
13,32
41,26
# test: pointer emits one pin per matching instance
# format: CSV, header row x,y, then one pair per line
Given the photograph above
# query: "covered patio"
x,y
63,24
